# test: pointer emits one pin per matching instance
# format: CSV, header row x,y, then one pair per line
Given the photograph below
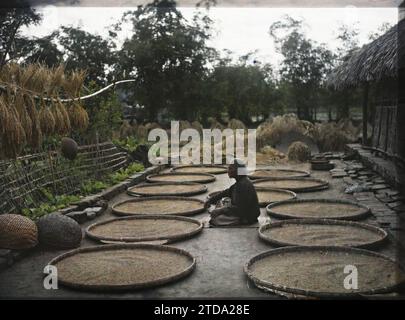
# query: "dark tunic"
x,y
244,204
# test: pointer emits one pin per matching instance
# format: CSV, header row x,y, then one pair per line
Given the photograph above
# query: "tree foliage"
x,y
304,67
168,56
12,19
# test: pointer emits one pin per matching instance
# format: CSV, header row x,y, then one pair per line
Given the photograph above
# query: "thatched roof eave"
x,y
373,62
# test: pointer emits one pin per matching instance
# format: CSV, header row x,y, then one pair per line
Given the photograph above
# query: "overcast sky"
x,y
240,30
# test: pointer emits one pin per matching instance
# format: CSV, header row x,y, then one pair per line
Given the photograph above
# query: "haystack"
x,y
347,127
330,138
236,124
272,132
272,153
142,132
215,124
299,151
126,130
184,124
197,126
152,125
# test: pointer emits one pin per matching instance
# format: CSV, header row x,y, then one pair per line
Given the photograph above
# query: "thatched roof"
x,y
373,62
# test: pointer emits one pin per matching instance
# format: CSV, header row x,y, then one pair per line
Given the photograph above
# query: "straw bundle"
x,y
236,124
329,137
197,126
272,131
14,134
38,80
65,125
152,125
184,124
142,132
23,116
79,119
126,130
47,120
299,151
272,153
73,83
24,119
214,124
35,140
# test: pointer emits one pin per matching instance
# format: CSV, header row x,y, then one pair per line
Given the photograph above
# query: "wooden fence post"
x,y
365,114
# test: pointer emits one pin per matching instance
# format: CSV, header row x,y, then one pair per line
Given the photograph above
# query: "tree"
x,y
305,65
348,45
105,114
383,28
83,50
348,38
243,90
39,50
13,16
168,56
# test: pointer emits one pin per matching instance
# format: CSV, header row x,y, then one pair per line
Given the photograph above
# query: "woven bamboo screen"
x,y
22,179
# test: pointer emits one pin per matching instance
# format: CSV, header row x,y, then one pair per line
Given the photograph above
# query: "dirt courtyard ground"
x,y
221,254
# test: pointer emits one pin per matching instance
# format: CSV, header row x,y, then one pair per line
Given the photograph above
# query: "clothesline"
x,y
3,87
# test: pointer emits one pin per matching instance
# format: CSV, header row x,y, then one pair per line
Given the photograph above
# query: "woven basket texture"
x,y
17,232
58,231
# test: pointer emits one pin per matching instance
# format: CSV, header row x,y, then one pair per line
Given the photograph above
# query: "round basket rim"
x,y
143,285
323,184
208,177
362,214
299,173
218,166
318,294
368,245
172,238
173,198
203,189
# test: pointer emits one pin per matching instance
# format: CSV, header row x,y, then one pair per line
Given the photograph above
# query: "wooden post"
x,y
365,113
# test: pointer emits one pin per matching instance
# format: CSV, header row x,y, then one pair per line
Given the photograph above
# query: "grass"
x,y
130,143
57,202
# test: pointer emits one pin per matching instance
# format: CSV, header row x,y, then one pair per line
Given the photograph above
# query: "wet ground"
x,y
221,254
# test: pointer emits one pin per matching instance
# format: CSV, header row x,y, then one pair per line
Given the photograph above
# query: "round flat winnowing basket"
x,y
119,267
144,228
17,232
210,169
59,231
318,209
278,173
320,271
178,206
167,189
322,232
292,184
181,177
267,196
